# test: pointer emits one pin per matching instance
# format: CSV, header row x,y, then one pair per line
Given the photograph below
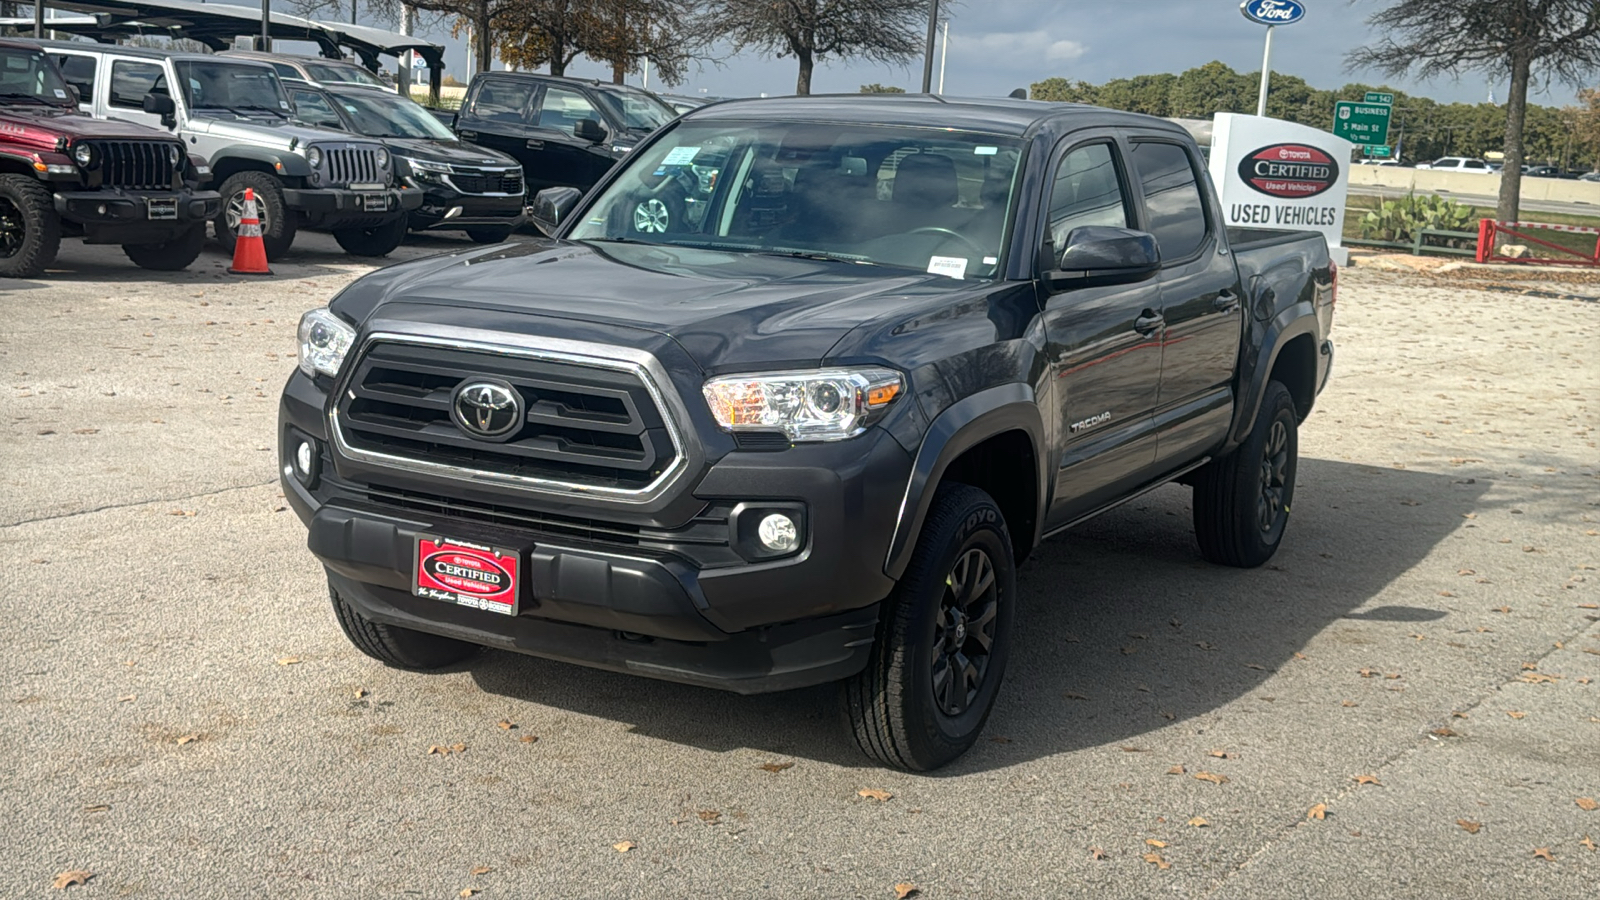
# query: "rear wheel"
x,y
30,233
1241,501
378,240
392,645
941,649
278,223
489,234
169,256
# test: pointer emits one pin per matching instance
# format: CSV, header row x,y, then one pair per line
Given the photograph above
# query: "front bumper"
x,y
443,209
678,611
116,215
342,206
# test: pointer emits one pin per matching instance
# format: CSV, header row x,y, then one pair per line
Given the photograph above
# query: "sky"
x,y
998,45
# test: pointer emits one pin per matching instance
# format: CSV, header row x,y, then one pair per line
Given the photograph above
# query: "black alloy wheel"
x,y
964,631
13,230
1274,478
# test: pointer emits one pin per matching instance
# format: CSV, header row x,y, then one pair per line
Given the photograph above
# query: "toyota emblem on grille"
x,y
487,409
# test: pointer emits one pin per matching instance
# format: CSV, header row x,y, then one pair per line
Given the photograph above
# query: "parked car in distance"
x,y
1458,164
683,102
66,174
233,113
1589,176
464,187
566,132
810,437
317,70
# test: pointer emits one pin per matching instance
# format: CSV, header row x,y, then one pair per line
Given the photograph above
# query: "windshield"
x,y
220,85
326,73
638,111
919,198
25,73
390,115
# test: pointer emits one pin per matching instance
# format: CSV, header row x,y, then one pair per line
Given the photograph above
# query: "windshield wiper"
x,y
13,95
785,252
244,109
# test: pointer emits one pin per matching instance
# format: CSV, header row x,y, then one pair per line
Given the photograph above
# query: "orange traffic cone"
x,y
249,253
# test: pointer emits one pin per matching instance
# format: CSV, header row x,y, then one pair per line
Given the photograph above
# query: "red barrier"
x,y
1490,232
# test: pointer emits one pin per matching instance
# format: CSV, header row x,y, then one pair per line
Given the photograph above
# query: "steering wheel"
x,y
934,229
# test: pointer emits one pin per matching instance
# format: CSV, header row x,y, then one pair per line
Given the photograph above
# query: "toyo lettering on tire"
x,y
1294,171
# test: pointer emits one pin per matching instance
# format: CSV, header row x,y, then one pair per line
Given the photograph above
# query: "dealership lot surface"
x,y
183,718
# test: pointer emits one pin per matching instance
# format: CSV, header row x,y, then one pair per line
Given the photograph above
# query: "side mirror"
x,y
589,130
162,105
552,206
1098,255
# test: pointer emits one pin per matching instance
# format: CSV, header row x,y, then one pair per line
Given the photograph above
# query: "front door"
x,y
567,161
1199,302
1104,346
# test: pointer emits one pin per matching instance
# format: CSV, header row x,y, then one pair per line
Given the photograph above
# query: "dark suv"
x,y
565,132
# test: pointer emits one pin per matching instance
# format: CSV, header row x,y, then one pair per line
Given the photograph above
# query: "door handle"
x,y
1226,302
535,145
1149,323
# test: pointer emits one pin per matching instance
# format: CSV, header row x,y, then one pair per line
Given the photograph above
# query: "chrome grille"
x,y
352,165
143,165
586,427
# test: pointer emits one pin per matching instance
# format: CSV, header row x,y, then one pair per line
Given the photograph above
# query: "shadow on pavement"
x,y
1122,628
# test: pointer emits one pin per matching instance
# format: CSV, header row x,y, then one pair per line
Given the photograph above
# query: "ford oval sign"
x,y
1273,12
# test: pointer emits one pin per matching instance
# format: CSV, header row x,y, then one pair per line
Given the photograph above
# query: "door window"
x,y
562,110
313,109
132,81
285,70
501,101
1171,198
79,72
1086,191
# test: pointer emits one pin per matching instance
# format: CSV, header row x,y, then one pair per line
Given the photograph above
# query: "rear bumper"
x,y
340,206
110,214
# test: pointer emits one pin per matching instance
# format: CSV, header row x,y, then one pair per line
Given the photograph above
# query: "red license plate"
x,y
467,574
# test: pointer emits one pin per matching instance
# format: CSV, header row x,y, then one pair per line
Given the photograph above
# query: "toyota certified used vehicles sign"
x,y
1292,171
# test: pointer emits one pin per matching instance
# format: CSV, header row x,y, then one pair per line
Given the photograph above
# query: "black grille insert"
x,y
585,426
478,182
141,165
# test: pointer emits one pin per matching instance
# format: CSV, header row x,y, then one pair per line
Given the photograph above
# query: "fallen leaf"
x,y
506,725
466,892
623,846
1223,754
1256,667
288,660
777,767
1318,812
1501,609
709,815
1198,822
1212,777
1349,703
85,431
529,739
1159,862
1366,673
1543,853
1168,716
1075,697
98,807
1466,572
1587,804
481,870
1096,853
360,692
1538,678
1204,646
874,794
1589,605
1367,779
1445,732
187,739
71,877
1301,656
126,698
438,750
458,748
1159,845
1529,667
906,889
1468,826
1392,676
1588,842
1177,770
1133,750
1515,714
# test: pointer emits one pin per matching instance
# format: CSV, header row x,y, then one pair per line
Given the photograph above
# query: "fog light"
x,y
302,459
101,209
778,533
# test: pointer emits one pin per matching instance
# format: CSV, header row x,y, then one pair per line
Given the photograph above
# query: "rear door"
x,y
1105,358
495,115
1200,306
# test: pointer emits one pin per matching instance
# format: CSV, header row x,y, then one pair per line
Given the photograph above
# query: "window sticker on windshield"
x,y
61,94
985,151
990,260
680,156
284,104
953,266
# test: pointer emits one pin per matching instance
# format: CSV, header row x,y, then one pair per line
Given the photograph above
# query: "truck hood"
x,y
729,311
18,120
457,152
267,132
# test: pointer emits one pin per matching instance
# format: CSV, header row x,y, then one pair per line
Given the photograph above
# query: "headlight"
x,y
174,154
314,157
828,405
84,154
424,170
383,158
324,340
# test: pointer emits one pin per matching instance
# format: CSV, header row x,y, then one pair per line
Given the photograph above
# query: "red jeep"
x,y
109,182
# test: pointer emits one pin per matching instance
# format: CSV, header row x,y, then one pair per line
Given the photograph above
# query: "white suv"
x,y
1458,164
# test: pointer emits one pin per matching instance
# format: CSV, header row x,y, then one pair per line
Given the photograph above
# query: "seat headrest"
x,y
927,180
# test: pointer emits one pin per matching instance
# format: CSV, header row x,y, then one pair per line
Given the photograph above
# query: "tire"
x,y
278,222
169,256
489,235
379,240
30,233
392,645
899,710
1241,501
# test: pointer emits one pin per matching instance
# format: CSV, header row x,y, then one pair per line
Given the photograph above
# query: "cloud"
x,y
1030,45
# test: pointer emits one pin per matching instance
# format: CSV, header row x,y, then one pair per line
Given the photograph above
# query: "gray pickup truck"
x,y
807,434
235,114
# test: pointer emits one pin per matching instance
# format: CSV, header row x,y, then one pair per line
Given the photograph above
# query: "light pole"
x,y
944,51
927,55
266,25
1266,73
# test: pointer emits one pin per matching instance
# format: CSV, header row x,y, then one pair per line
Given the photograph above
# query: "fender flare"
x,y
962,426
1294,321
294,166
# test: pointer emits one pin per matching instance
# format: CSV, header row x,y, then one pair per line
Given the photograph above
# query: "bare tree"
x,y
1554,40
816,30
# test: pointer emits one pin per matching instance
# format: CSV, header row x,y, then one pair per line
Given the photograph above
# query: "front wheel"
x,y
941,649
169,256
278,223
30,233
1241,501
379,240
